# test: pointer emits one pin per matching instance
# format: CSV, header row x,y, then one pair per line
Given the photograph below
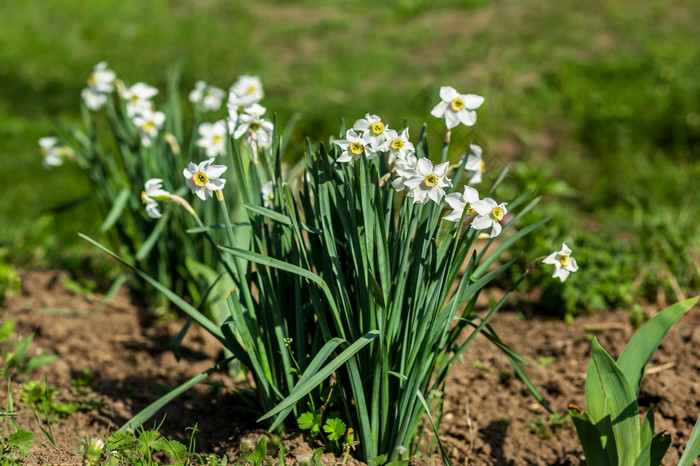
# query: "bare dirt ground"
x,y
489,416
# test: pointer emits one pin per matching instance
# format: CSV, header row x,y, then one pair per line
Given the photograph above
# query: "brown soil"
x,y
489,416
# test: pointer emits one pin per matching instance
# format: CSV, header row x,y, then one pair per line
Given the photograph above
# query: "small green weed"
x,y
545,428
139,448
17,359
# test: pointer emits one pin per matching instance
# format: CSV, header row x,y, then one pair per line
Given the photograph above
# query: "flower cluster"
x,y
245,113
53,153
100,85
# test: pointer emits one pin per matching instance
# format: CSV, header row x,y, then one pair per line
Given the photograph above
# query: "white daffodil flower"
x,y
255,129
138,98
207,96
205,178
457,108
152,194
235,110
563,262
248,90
149,123
354,146
489,215
461,204
429,181
268,194
405,168
100,83
397,145
475,166
213,138
53,154
373,128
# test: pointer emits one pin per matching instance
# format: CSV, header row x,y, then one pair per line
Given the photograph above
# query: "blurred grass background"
x,y
595,104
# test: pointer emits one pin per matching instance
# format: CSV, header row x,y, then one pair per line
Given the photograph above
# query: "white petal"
x,y
455,201
453,216
496,229
467,117
551,259
451,119
215,171
448,93
470,194
439,110
481,222
424,166
441,169
472,101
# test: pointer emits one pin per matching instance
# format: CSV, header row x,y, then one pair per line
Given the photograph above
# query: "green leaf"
x,y
642,345
307,420
150,410
302,389
259,454
116,211
654,451
335,428
318,456
175,299
692,448
646,433
590,439
443,452
21,440
621,402
6,329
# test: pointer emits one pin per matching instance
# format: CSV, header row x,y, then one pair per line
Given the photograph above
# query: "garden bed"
x,y
489,416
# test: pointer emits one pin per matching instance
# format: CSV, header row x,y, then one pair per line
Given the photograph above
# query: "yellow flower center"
x,y
497,214
135,98
92,80
254,126
251,89
469,209
483,167
356,148
148,127
216,138
200,179
563,260
457,104
397,144
143,196
431,180
377,127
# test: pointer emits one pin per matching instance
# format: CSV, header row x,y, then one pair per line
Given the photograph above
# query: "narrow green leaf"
x,y
443,451
150,410
116,211
692,448
175,299
301,389
642,345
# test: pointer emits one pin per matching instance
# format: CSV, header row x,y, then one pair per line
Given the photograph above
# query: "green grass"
x,y
606,100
